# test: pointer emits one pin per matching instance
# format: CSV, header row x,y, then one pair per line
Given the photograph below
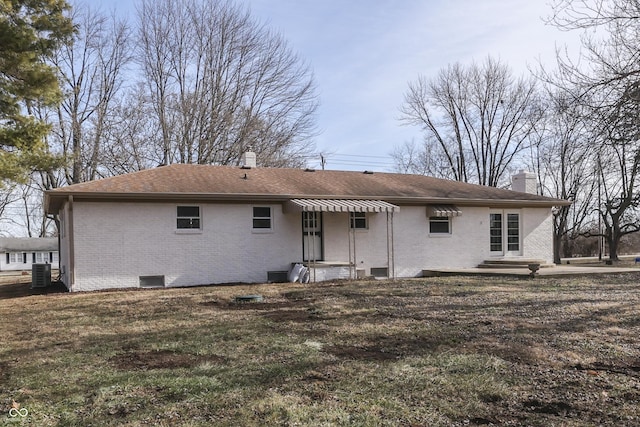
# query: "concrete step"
x,y
513,263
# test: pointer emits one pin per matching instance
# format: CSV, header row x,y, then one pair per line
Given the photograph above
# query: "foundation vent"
x,y
379,271
151,281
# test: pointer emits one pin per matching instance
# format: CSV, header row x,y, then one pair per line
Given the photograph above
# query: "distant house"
x,y
20,253
183,225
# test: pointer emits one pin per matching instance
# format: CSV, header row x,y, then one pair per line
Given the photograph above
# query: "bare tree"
x,y
619,169
608,76
21,211
91,72
33,219
609,61
480,117
421,159
132,140
564,162
221,83
8,198
589,14
211,83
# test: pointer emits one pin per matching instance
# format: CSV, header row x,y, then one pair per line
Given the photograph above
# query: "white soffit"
x,y
443,210
336,205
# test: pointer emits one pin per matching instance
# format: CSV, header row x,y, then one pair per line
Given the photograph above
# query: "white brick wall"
x,y
416,249
466,246
537,230
115,244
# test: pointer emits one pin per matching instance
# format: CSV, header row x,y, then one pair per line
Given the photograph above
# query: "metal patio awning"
x,y
443,210
339,205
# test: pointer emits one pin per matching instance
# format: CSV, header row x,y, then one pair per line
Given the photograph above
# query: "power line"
x,y
368,162
360,161
357,155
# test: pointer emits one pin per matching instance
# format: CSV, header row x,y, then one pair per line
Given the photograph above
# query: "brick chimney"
x,y
248,159
524,182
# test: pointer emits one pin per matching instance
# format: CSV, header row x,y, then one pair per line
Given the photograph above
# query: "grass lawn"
x,y
423,352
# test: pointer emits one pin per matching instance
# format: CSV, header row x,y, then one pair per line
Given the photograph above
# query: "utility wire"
x,y
360,161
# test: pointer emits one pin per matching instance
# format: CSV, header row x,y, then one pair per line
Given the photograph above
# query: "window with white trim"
x,y
188,217
262,219
15,258
439,225
358,220
42,257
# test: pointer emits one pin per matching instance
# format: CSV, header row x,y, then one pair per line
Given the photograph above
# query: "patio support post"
x,y
355,258
313,248
349,241
393,249
308,219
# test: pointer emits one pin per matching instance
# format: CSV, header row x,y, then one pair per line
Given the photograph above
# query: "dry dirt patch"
x,y
160,359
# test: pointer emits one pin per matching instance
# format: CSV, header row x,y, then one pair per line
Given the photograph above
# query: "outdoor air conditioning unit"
x,y
40,275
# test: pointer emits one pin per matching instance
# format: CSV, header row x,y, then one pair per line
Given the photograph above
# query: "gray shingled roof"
x,y
28,244
204,182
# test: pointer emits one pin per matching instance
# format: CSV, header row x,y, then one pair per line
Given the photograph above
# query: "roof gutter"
x,y
54,200
482,202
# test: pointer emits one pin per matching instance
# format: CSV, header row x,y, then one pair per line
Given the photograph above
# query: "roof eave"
x,y
547,202
53,200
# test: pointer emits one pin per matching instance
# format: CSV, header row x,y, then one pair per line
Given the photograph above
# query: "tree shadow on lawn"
x,y
21,290
508,333
500,329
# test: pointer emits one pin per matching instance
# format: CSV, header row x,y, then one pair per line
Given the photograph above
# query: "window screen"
x,y
358,220
262,217
439,225
188,217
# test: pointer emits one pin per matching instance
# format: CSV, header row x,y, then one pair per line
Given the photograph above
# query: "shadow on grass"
x,y
161,347
21,290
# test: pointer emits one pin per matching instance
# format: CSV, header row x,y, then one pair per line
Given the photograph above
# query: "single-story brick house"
x,y
20,253
183,225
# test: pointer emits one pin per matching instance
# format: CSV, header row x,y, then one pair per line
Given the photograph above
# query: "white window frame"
x,y
188,230
255,218
440,220
358,217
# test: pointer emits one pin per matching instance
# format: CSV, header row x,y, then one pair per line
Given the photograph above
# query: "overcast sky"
x,y
364,53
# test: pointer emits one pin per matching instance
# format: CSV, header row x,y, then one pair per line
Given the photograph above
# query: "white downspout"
x,y
72,258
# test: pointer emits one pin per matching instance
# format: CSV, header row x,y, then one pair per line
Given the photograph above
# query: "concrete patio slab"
x,y
560,270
